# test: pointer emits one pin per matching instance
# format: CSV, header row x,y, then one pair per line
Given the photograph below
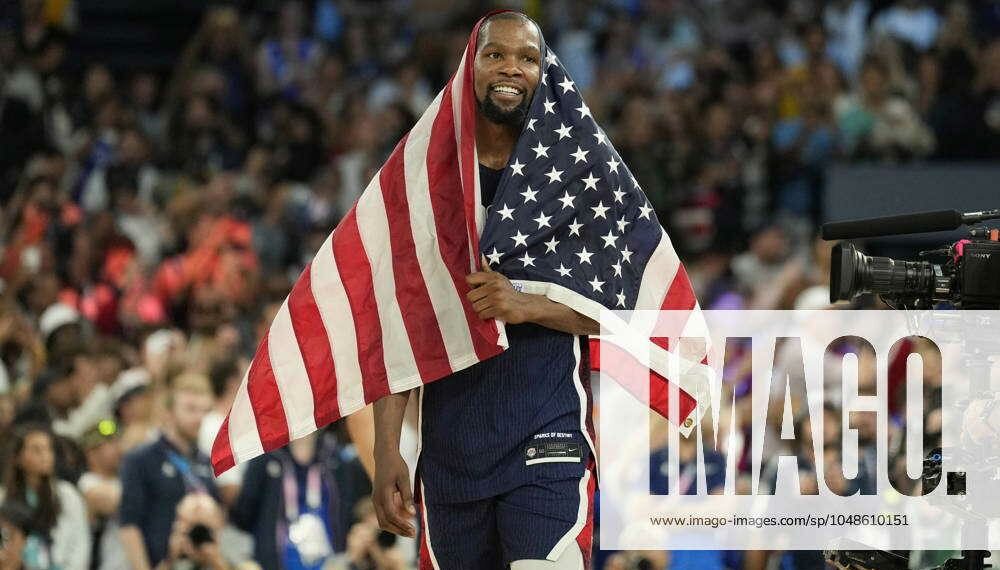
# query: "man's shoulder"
x,y
144,452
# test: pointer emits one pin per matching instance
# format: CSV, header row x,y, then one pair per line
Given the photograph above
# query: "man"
x,y
488,499
157,476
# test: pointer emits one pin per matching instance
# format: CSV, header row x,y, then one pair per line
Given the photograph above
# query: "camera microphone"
x,y
918,222
936,221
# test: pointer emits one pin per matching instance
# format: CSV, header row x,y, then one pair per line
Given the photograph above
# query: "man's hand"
x,y
493,297
391,492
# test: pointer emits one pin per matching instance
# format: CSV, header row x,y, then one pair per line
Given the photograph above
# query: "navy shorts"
x,y
538,521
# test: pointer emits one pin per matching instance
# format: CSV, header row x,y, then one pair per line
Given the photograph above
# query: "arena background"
x,y
167,167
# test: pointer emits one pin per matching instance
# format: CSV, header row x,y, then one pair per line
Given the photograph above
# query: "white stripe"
x,y
290,375
335,311
373,226
553,460
445,298
658,275
578,384
581,520
427,528
243,437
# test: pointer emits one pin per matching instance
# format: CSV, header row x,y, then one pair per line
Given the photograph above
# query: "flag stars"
x,y
619,194
495,256
527,260
621,225
531,122
621,298
597,285
644,211
543,221
563,131
541,151
584,255
613,165
517,167
574,228
520,239
567,85
564,271
610,239
584,111
626,255
601,138
550,246
554,175
567,200
550,59
529,194
618,268
600,210
550,107
580,155
506,213
590,181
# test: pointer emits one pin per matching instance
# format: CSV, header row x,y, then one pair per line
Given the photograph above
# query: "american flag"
x,y
382,308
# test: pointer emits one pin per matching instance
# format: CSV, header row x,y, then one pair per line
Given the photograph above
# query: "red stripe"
x,y
680,295
314,344
628,372
265,400
445,184
585,540
467,153
222,452
356,273
411,291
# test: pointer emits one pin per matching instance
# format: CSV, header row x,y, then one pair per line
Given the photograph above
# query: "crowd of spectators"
x,y
152,220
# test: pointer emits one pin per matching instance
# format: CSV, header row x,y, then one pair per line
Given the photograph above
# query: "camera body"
x,y
969,278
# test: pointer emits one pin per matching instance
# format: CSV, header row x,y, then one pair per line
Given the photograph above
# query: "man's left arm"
x,y
493,296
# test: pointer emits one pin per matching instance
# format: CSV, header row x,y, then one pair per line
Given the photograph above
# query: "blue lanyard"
x,y
191,481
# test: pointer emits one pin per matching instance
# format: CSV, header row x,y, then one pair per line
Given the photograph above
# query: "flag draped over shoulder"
x,y
381,308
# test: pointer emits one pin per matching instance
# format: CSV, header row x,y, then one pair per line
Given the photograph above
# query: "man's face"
x,y
188,410
507,68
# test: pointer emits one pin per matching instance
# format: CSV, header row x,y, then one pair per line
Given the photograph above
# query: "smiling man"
x,y
505,474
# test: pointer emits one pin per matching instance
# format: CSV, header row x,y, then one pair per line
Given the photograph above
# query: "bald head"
x,y
507,67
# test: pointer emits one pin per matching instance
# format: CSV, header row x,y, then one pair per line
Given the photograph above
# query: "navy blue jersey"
x,y
512,420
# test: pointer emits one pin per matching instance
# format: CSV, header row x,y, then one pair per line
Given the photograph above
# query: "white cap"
x,y
57,315
128,381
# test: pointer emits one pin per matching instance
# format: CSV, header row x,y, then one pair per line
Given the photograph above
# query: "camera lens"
x,y
854,273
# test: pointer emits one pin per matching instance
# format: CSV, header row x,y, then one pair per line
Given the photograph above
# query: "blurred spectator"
x,y
912,21
877,124
291,502
194,536
59,515
156,476
287,63
18,550
102,491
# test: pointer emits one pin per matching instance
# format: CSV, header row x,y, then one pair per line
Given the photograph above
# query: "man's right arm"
x,y
392,494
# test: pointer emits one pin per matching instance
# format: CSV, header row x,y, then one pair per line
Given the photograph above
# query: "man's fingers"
x,y
479,293
399,515
477,278
486,264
